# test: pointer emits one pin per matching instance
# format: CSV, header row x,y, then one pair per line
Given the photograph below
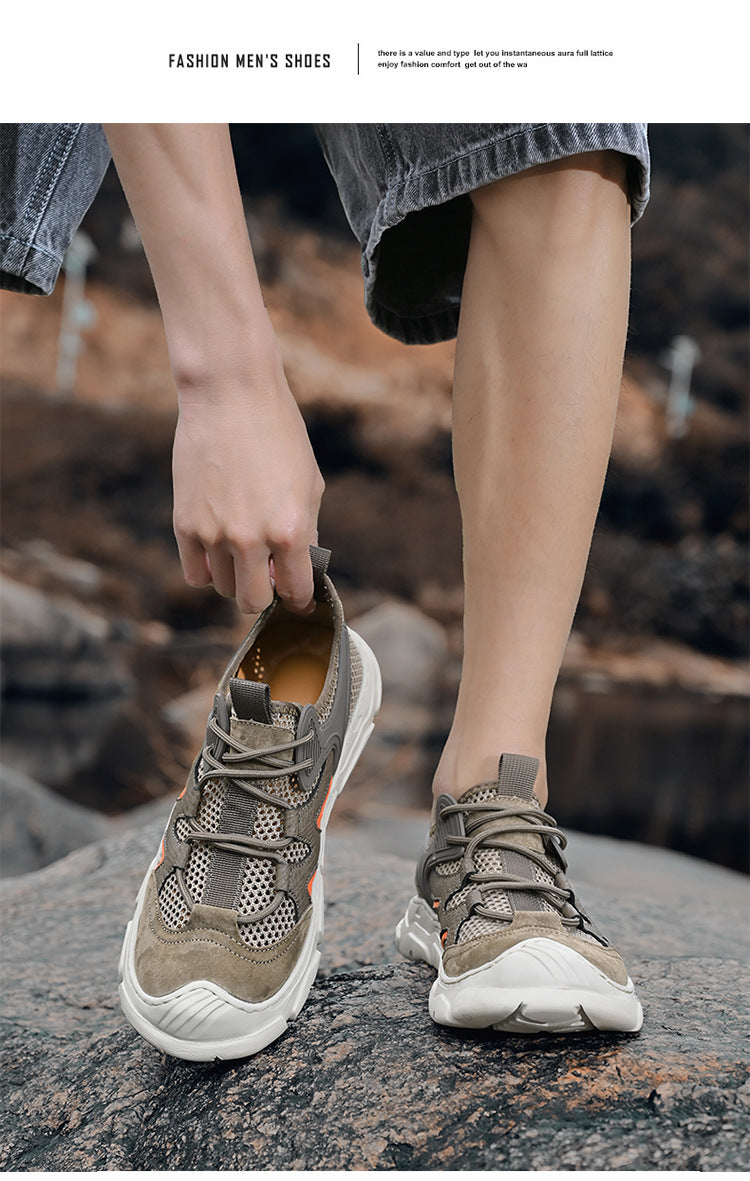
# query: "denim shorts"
x,y
49,175
405,186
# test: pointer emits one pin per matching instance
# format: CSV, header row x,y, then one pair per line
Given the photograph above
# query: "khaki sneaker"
x,y
223,948
497,918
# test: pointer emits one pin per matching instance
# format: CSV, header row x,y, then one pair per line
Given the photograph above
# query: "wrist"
x,y
225,358
216,381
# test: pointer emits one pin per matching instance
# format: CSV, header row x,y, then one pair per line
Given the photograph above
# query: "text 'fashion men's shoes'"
x,y
223,948
496,916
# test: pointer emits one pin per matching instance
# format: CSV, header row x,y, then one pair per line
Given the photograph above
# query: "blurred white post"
x,y
77,312
681,359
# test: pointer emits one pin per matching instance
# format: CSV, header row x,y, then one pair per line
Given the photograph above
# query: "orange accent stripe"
x,y
443,937
310,883
182,792
162,854
325,801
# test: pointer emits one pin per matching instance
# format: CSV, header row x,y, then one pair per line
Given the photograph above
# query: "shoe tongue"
x,y
516,776
258,721
250,700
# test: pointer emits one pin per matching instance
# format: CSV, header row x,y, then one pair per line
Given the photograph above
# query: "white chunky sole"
x,y
538,986
201,1021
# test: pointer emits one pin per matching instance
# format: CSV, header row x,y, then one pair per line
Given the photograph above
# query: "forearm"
x,y
181,185
246,485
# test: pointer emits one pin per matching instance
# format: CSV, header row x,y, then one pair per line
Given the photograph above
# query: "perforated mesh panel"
x,y
285,787
197,870
258,885
487,861
271,929
541,876
182,828
207,817
174,909
286,715
295,852
356,675
269,823
325,706
456,899
257,889
480,795
476,927
209,809
444,869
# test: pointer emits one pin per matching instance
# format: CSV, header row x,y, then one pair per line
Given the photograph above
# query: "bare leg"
x,y
538,371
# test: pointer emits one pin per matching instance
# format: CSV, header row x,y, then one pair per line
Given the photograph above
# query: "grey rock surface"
x,y
74,733
62,676
363,1079
412,652
51,645
38,827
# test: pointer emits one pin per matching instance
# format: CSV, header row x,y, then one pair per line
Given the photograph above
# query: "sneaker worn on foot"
x,y
496,916
223,948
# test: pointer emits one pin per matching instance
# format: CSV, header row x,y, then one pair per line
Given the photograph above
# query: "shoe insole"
x,y
292,657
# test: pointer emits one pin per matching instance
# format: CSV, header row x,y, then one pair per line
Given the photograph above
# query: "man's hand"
x,y
246,489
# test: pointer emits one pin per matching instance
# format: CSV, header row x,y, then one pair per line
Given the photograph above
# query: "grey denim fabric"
x,y
49,175
405,186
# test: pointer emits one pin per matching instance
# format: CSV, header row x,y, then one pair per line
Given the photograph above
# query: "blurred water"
x,y
665,767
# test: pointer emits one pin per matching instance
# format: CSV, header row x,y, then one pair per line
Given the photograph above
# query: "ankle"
x,y
462,768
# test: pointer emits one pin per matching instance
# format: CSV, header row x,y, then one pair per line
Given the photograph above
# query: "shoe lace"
x,y
228,764
488,825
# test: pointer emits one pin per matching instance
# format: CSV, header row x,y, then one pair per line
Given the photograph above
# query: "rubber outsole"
x,y
202,1021
538,986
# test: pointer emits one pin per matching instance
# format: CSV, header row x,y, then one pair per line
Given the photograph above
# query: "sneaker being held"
x,y
223,948
497,918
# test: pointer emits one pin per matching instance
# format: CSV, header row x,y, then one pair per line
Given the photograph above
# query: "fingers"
x,y
293,577
222,571
252,578
245,516
194,560
250,574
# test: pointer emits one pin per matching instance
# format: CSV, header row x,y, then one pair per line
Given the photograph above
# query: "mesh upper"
x,y
356,675
491,860
257,883
174,908
257,888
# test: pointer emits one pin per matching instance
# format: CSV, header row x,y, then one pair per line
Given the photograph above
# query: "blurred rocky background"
x,y
109,660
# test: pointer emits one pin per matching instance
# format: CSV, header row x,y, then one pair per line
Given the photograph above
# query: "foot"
x,y
223,948
496,916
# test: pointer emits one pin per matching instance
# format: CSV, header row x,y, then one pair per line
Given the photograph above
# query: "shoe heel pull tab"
x,y
320,558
